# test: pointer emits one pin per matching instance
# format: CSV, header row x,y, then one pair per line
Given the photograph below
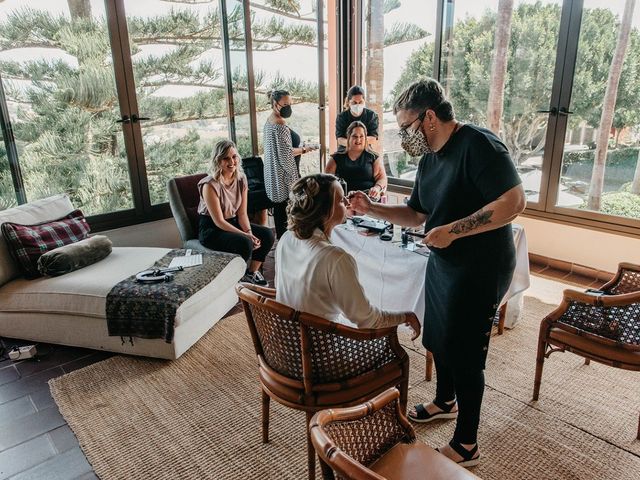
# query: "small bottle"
x,y
383,199
397,233
404,236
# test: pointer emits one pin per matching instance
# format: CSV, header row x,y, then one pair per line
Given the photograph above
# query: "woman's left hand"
x,y
438,237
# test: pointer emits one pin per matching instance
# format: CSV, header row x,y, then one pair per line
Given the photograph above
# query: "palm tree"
x,y
375,61
499,65
608,108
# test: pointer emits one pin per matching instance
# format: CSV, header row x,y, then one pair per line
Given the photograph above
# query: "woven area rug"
x,y
199,416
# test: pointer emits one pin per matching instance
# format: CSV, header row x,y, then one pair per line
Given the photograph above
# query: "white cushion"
x,y
29,214
82,292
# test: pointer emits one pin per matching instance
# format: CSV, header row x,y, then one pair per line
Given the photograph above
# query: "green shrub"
x,y
623,157
623,204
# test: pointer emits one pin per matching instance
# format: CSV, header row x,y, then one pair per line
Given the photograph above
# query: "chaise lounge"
x,y
71,309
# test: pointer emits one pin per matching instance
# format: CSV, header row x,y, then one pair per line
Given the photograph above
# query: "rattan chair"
x,y
374,441
601,325
309,363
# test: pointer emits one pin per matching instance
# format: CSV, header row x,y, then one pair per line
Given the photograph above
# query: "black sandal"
x,y
470,458
446,413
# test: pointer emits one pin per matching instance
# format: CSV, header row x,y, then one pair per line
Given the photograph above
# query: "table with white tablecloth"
x,y
393,277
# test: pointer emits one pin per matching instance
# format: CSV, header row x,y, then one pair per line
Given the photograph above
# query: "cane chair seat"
x,y
601,325
597,350
374,441
309,363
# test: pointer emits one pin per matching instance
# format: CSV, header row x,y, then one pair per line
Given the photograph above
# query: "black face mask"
x,y
285,112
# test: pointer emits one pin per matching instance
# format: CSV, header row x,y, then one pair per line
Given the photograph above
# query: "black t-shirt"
x,y
473,169
368,117
295,143
357,173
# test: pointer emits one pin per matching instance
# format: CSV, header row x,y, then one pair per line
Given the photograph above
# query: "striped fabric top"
x,y
280,171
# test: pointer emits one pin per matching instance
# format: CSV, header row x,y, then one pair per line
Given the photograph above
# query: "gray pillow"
x,y
72,257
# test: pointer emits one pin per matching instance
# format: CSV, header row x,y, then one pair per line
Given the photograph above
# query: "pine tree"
x,y
64,120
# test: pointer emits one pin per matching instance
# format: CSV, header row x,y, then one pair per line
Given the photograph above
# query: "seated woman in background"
x,y
315,276
224,224
359,167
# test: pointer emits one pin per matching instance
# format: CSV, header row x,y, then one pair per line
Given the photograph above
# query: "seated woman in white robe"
x,y
315,276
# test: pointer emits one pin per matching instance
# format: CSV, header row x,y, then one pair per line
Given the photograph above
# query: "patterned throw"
x,y
148,310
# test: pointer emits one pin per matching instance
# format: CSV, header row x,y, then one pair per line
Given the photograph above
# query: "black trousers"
x,y
213,237
280,217
466,384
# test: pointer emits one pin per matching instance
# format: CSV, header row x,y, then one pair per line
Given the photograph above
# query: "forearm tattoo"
x,y
481,217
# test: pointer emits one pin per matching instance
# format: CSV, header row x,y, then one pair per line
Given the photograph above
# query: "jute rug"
x,y
199,416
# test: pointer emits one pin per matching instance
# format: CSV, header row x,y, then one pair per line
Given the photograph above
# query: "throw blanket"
x,y
149,310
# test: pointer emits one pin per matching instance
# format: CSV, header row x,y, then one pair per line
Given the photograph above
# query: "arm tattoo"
x,y
472,222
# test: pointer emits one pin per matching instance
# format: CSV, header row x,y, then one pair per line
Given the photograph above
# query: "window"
x,y
58,79
600,168
498,72
239,77
285,56
7,195
398,40
564,104
178,69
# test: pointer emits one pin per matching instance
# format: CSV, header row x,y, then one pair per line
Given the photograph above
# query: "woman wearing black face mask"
x,y
466,192
282,152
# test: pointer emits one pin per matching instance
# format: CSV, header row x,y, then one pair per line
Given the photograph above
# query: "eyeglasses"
x,y
403,128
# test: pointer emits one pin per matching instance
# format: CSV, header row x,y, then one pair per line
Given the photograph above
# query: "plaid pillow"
x,y
28,242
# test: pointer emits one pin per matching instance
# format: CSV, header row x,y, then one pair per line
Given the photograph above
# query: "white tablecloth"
x,y
393,278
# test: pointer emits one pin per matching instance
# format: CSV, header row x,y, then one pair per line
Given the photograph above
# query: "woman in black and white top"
x,y
280,170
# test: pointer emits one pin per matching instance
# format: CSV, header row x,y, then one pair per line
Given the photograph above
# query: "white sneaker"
x,y
256,278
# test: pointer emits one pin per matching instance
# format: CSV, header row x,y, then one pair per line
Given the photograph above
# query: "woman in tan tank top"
x,y
224,224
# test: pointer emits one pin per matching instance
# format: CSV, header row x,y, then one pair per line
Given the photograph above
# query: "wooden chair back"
x,y
348,439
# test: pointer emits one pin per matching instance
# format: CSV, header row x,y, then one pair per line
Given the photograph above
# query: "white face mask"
x,y
357,109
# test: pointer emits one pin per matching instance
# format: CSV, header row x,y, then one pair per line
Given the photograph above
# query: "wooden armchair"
x,y
601,325
309,363
375,441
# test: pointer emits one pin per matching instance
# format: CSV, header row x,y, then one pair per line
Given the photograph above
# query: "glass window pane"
x,y
58,78
600,169
7,193
239,81
476,36
178,68
285,57
398,40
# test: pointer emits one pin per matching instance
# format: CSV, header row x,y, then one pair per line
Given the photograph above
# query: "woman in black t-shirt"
x,y
355,110
467,191
360,168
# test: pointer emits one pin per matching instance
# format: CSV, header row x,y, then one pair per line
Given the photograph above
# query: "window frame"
x,y
143,211
566,57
